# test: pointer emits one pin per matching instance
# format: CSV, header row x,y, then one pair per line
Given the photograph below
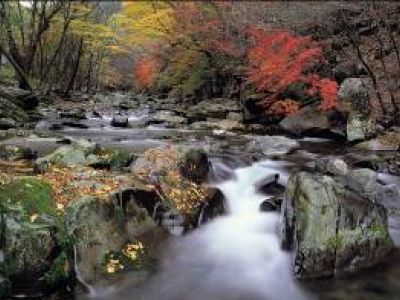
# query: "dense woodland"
x,y
199,150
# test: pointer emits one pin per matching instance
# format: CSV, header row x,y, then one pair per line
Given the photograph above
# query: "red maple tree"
x,y
278,59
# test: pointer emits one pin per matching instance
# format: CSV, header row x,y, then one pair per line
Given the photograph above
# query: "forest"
x,y
199,150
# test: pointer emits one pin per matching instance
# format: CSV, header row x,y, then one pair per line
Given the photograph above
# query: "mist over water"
x,y
237,256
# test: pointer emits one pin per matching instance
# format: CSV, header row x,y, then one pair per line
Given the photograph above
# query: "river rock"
x,y
84,153
35,249
167,117
73,113
334,229
23,98
306,121
120,121
212,108
271,146
177,174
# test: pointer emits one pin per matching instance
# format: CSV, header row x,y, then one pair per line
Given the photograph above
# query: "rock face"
x,y
354,94
333,224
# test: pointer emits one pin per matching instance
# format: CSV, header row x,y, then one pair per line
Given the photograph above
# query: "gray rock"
x,y
100,226
389,141
309,119
271,146
359,128
354,95
167,117
332,229
213,108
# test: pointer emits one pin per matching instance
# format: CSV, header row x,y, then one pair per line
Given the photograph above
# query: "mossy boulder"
x,y
84,153
332,228
101,226
33,236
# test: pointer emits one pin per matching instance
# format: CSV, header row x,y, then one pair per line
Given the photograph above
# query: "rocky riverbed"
x,y
108,191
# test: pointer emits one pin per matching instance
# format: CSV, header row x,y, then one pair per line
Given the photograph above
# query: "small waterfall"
x,y
91,290
235,256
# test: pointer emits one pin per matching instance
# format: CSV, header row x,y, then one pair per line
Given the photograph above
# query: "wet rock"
x,y
271,146
334,227
34,244
235,116
269,185
267,206
120,121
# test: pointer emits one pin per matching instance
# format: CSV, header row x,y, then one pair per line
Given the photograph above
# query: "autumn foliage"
x,y
278,59
146,71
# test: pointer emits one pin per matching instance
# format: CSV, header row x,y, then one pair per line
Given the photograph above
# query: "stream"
x,y
237,256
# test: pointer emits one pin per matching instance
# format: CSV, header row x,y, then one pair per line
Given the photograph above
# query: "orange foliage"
x,y
283,108
146,71
278,59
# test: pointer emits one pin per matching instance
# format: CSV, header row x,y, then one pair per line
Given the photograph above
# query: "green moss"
x,y
59,270
335,242
120,159
30,194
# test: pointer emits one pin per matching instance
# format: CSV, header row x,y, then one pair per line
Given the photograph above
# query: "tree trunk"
x,y
71,82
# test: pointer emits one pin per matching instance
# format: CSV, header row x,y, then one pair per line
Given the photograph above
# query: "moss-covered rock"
x,y
102,226
84,153
32,234
333,229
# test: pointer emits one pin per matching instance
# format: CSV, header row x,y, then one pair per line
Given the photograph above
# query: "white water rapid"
x,y
237,256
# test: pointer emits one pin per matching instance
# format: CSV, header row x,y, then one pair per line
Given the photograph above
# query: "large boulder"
x,y
308,120
336,222
177,175
35,248
104,226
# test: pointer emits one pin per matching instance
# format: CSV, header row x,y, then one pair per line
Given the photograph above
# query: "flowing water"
x,y
237,256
